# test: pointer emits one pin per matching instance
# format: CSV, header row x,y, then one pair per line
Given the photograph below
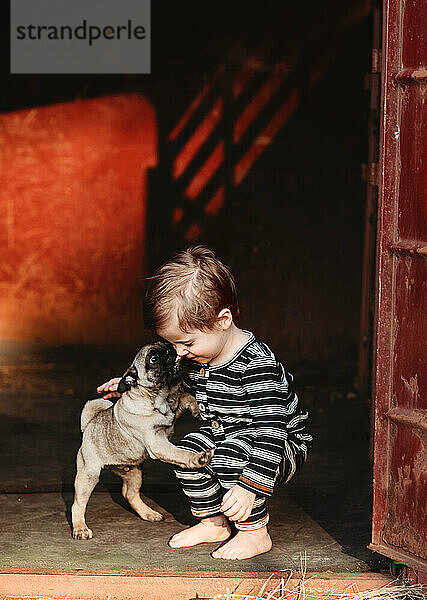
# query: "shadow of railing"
x,y
229,124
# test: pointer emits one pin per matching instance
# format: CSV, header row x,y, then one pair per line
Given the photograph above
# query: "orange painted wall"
x,y
72,219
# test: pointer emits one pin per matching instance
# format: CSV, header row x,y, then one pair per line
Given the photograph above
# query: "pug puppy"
x,y
121,436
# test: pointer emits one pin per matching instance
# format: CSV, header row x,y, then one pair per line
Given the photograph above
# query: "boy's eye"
x,y
189,344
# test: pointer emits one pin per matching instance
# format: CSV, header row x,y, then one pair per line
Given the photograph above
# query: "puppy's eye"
x,y
154,359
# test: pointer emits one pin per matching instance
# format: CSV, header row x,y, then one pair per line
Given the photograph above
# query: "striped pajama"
x,y
255,424
205,487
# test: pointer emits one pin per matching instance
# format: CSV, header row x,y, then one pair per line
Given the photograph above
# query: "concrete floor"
x,y
324,511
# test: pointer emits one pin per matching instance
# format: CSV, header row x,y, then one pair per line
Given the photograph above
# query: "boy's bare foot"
x,y
211,529
245,544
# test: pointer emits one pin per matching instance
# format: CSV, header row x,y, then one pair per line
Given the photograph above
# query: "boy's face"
x,y
200,346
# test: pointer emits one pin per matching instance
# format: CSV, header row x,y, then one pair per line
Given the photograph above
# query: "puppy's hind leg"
x,y
86,480
132,481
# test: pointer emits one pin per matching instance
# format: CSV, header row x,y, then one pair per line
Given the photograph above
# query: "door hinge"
x,y
376,60
371,173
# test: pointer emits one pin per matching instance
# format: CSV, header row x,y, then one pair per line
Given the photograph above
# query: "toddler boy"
x,y
251,413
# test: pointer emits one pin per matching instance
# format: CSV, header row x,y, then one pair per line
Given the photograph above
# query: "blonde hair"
x,y
196,284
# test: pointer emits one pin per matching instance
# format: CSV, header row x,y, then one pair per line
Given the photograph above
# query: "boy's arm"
x,y
279,422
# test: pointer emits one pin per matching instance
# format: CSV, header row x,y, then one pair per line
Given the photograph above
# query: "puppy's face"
x,y
154,367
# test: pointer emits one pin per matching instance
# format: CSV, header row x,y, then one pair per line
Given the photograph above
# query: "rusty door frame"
x,y
390,249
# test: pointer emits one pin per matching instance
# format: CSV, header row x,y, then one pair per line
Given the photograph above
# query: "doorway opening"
x,y
259,156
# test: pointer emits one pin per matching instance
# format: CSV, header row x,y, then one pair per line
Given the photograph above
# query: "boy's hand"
x,y
237,503
110,386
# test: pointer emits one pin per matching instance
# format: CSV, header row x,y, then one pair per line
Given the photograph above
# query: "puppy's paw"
x,y
82,532
204,458
195,410
153,516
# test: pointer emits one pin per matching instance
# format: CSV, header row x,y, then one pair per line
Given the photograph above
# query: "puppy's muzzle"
x,y
129,380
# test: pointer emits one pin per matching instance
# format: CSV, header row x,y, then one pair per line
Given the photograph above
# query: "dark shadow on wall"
x,y
263,165
274,182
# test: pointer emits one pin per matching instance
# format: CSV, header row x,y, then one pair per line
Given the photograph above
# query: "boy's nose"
x,y
180,350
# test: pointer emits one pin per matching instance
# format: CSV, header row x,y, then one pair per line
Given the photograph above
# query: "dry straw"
x,y
287,589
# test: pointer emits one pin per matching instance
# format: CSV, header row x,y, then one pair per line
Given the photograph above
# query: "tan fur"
x,y
120,436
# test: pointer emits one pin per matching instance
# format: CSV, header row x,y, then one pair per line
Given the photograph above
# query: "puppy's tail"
x,y
92,408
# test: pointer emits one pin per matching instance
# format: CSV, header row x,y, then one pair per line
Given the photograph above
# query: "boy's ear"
x,y
225,318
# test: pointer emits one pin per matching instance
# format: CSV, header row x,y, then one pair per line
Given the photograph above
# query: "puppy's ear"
x,y
129,379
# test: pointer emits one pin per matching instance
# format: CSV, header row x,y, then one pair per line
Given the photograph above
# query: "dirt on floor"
x,y
325,510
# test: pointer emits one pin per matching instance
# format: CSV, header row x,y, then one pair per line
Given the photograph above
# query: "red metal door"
x,y
399,515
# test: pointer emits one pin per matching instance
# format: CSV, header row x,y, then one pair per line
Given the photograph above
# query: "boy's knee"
x,y
193,442
233,449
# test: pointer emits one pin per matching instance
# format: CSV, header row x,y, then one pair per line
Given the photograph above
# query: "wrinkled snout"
x,y
129,380
172,366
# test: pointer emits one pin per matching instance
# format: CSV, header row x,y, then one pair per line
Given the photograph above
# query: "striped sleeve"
x,y
279,423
